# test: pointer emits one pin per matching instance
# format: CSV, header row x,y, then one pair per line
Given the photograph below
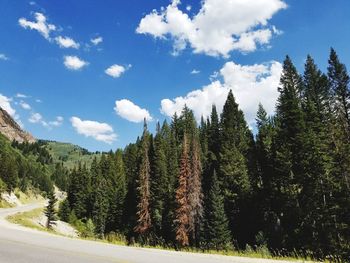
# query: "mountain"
x,y
10,129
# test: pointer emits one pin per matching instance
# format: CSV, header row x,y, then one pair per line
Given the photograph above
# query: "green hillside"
x,y
69,154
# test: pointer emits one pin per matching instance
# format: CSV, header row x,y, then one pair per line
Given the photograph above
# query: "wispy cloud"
x,y
3,57
96,40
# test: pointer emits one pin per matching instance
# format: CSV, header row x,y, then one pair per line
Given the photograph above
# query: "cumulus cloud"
x,y
40,24
219,27
251,85
131,112
99,131
115,71
3,57
96,40
5,103
24,105
74,63
66,42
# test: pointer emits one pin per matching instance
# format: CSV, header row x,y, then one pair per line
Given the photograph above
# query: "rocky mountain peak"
x,y
10,129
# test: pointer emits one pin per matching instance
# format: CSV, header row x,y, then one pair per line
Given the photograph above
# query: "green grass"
x,y
4,204
26,219
70,154
29,197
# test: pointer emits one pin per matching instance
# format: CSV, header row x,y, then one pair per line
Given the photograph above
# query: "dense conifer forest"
x,y
218,185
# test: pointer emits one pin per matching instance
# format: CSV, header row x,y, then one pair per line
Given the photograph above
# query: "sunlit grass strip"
x,y
26,219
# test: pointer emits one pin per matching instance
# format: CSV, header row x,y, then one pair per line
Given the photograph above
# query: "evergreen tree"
x,y
100,206
183,206
234,172
159,182
289,155
218,234
50,210
143,208
195,194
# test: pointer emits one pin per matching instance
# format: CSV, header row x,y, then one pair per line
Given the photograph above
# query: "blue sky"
x,y
193,51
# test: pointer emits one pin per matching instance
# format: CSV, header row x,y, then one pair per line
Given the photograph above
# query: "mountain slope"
x,y
11,130
69,154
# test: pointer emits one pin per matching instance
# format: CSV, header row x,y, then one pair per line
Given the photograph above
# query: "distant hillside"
x,y
11,130
69,154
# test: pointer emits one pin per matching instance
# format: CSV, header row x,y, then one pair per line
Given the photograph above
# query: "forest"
x,y
220,184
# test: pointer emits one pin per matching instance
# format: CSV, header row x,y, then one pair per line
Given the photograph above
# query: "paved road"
x,y
23,245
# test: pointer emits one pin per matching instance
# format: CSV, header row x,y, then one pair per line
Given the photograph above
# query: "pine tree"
x,y
143,213
183,207
233,164
100,206
289,154
218,234
50,210
339,82
159,182
195,194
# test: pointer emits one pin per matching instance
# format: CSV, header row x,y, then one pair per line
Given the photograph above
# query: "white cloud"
x,y
5,103
35,118
40,24
74,63
115,71
99,131
38,100
250,85
219,27
24,105
66,42
96,40
58,122
3,57
21,95
131,112
195,71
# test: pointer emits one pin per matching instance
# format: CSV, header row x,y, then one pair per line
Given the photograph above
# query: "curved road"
x,y
22,245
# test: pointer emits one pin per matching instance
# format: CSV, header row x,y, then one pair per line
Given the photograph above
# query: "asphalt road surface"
x,y
23,245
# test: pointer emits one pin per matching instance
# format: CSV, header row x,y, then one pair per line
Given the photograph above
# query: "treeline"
x,y
217,186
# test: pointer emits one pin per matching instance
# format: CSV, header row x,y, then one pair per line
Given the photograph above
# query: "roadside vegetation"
x,y
280,192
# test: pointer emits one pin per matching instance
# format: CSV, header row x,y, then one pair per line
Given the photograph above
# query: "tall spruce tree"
x,y
143,208
183,206
159,182
234,172
217,232
50,210
195,194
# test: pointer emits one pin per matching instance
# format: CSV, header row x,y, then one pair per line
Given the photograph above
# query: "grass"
x,y
26,219
70,154
29,197
4,204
